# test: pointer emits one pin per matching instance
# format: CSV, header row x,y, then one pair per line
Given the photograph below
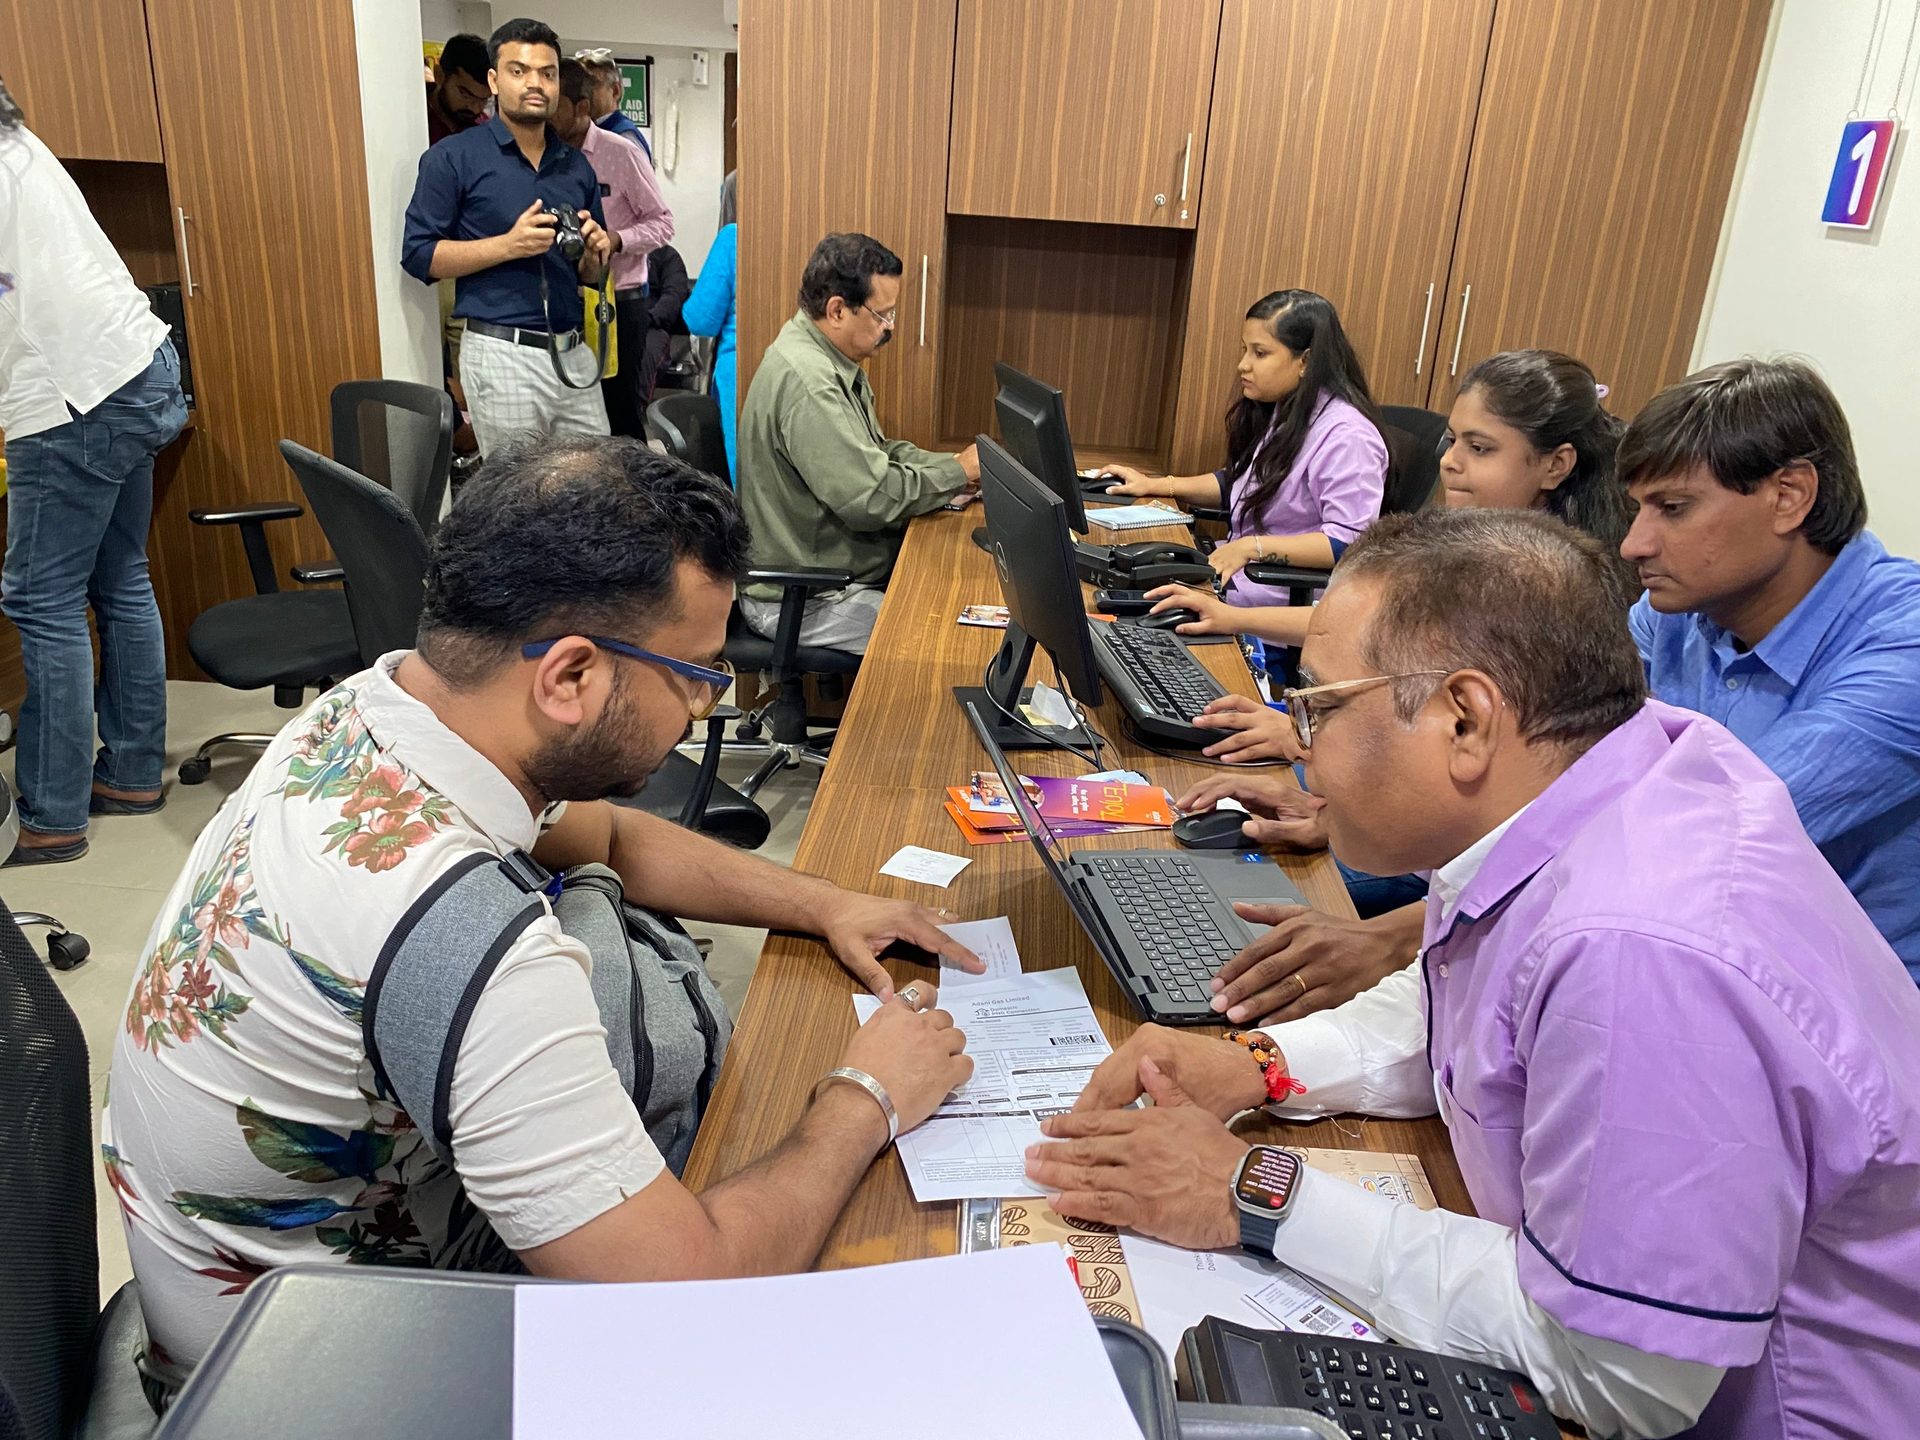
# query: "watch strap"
x,y
1257,1233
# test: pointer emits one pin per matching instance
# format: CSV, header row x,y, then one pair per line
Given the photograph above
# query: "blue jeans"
x,y
1377,894
79,498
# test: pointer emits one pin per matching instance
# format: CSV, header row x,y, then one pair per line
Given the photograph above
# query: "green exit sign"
x,y
636,101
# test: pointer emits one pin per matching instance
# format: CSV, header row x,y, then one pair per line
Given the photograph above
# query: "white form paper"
x,y
777,1356
1034,1042
1178,1288
992,941
929,867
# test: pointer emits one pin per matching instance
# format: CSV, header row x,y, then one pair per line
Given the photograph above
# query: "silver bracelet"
x,y
874,1088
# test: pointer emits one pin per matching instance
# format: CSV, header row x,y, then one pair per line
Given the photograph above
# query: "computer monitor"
x,y
1027,537
1033,427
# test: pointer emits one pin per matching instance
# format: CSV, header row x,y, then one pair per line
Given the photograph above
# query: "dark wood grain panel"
x,y
1335,161
843,126
1601,168
132,207
81,71
1082,109
901,741
1090,308
280,251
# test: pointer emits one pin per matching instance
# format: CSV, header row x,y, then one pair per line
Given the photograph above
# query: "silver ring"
x,y
912,995
944,913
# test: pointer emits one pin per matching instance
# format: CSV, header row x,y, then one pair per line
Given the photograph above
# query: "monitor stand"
x,y
1006,690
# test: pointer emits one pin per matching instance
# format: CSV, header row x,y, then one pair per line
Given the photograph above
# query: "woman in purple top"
x,y
1307,465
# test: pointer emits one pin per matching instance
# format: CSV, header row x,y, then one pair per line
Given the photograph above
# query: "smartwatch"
x,y
1263,1189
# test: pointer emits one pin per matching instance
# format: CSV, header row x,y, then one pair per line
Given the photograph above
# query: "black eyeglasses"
x,y
716,679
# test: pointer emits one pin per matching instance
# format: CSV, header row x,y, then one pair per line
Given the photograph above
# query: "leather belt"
x,y
538,339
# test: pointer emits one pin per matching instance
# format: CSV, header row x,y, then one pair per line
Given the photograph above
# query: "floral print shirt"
x,y
244,1128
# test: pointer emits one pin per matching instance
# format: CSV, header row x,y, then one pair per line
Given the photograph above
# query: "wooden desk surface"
x,y
902,742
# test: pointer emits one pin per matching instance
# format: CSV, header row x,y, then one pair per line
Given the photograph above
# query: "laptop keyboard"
x,y
1169,910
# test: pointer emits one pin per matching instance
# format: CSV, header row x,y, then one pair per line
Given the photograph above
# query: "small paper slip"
x,y
1035,1042
992,941
1049,707
929,867
1137,517
1295,1303
643,1359
990,617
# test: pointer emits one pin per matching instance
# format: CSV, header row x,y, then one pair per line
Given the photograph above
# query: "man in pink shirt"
x,y
639,221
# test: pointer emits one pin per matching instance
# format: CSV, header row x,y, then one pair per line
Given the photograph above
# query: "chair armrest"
x,y
695,807
1294,577
243,514
320,574
805,579
1208,512
252,520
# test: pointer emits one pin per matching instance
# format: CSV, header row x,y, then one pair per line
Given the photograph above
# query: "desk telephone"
x,y
1143,565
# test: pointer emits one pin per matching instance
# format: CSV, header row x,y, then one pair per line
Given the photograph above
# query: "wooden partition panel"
x,y
1092,309
843,126
279,249
81,72
1082,109
1601,168
1337,147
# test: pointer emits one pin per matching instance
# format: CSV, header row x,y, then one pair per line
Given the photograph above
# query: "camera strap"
x,y
603,311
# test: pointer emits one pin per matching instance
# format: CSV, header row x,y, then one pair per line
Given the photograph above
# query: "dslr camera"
x,y
566,232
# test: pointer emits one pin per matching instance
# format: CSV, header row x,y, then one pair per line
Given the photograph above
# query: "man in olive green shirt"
x,y
821,486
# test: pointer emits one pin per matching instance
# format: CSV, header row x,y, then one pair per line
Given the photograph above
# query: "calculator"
x,y
1371,1390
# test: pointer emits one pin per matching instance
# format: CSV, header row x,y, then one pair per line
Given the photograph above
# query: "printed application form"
x,y
1035,1043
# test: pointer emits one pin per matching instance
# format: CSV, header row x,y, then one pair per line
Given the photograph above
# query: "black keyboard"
x,y
1157,679
1169,909
1369,1389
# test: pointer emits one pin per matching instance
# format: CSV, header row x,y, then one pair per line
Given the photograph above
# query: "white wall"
x,y
440,19
1848,301
393,121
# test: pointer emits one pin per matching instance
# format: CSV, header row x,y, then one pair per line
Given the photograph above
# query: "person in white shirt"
x,y
576,609
89,394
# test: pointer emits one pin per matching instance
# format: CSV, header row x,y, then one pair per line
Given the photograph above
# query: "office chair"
x,y
688,426
66,1367
398,433
64,948
384,560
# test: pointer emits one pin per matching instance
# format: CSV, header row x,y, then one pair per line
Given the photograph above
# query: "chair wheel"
x,y
748,729
194,770
66,950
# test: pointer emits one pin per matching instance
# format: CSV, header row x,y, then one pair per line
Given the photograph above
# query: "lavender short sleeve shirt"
x,y
1676,1056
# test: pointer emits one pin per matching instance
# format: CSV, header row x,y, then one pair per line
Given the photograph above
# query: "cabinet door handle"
x,y
186,255
1466,297
923,300
1420,355
1186,166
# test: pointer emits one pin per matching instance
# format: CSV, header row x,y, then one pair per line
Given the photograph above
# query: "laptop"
x,y
1161,919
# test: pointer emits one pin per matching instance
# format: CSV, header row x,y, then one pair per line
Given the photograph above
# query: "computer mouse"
x,y
1211,830
1167,619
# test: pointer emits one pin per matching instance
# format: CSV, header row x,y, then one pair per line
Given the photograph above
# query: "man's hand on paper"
x,y
1309,961
1219,1077
1166,1171
1281,814
918,1056
858,927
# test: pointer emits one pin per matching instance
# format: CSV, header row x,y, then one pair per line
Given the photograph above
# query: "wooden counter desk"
x,y
902,741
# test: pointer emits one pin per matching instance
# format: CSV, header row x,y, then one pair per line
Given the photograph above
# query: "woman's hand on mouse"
x,y
1129,481
1216,616
1280,814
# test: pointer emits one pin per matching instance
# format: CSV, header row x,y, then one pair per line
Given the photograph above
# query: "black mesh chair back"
x,y
377,542
1413,455
50,1283
689,426
400,435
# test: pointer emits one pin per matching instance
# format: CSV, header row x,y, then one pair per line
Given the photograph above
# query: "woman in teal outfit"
x,y
710,310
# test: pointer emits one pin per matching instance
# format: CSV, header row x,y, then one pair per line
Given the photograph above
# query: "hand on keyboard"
x,y
1252,730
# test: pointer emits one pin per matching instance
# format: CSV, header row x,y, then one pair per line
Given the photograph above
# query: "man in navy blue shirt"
x,y
481,215
1772,608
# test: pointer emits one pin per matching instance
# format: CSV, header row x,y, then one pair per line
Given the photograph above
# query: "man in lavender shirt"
x,y
1675,1057
640,223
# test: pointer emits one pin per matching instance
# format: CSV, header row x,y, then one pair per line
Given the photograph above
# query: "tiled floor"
x,y
113,895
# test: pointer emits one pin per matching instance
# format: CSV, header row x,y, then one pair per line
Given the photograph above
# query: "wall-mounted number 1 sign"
x,y
1854,191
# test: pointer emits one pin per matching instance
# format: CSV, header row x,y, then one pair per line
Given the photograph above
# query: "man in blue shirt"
x,y
1771,608
480,214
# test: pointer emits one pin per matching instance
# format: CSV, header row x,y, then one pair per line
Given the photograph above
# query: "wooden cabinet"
x,y
1082,109
278,250
80,70
844,127
1601,166
1336,146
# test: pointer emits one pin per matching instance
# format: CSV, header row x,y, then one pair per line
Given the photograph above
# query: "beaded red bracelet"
x,y
1273,1071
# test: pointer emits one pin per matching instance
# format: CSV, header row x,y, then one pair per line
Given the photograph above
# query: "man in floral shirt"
x,y
245,1128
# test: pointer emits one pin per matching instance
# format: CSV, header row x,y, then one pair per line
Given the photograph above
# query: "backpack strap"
x,y
429,976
